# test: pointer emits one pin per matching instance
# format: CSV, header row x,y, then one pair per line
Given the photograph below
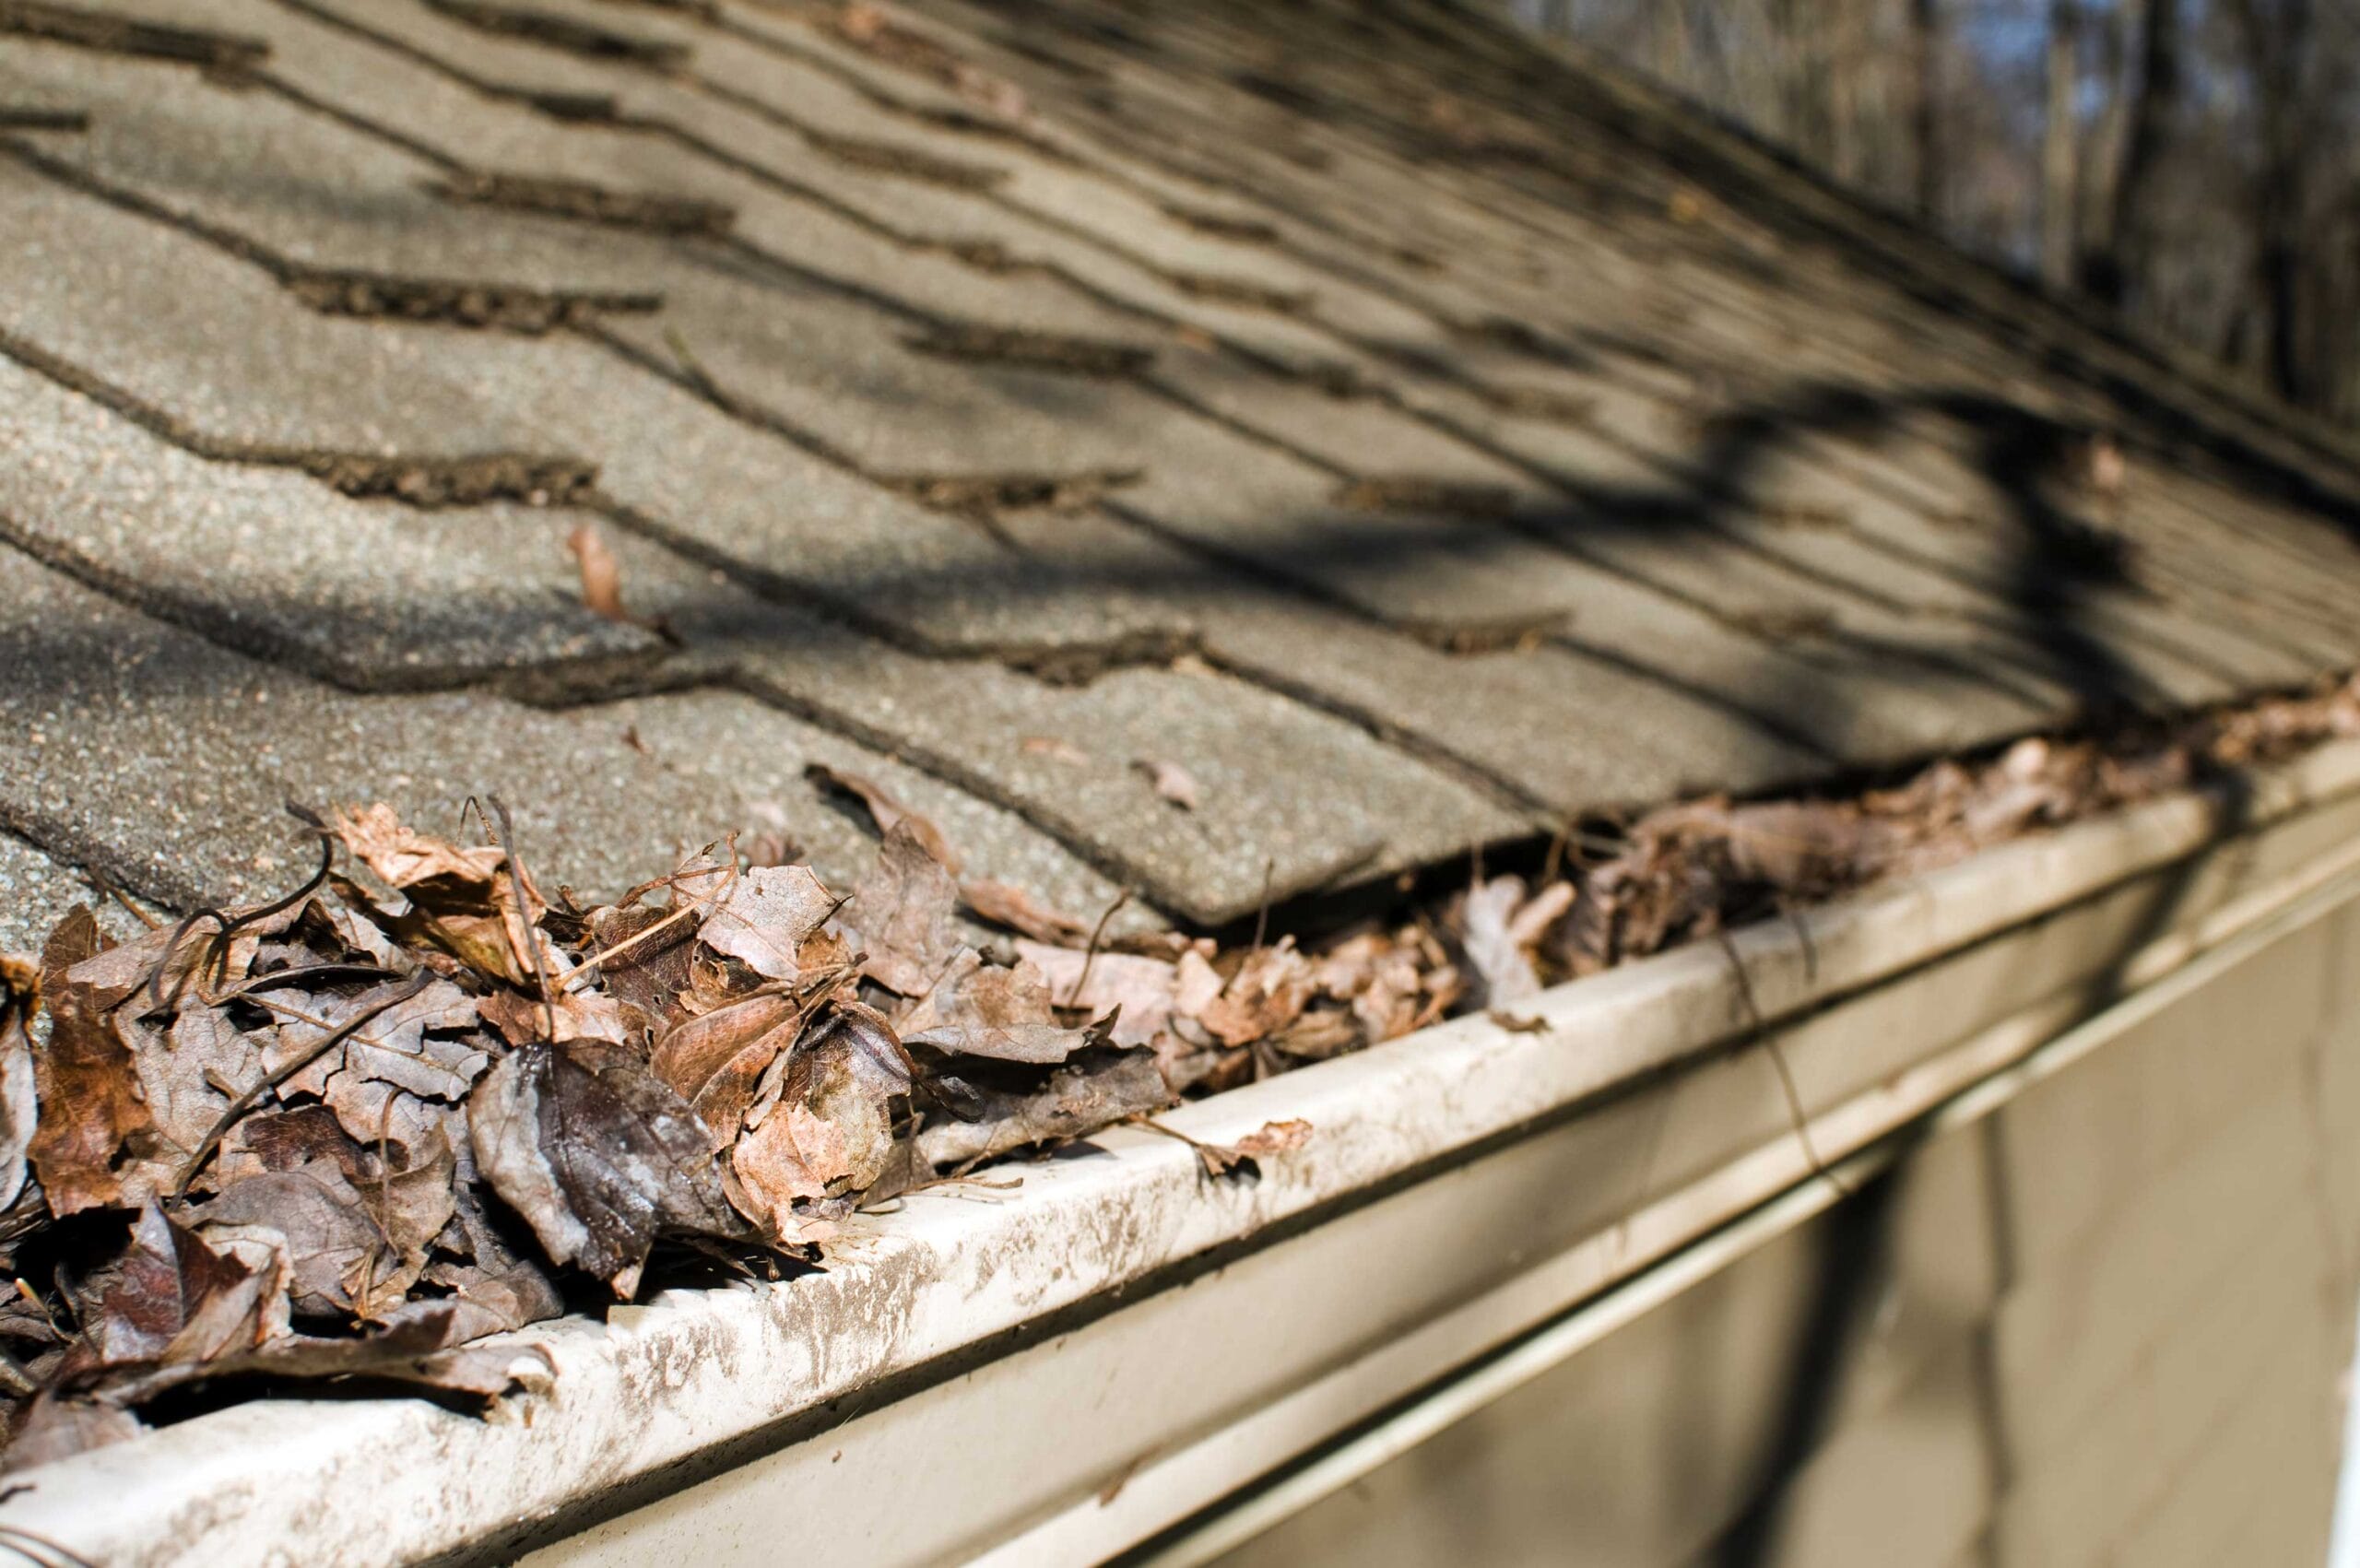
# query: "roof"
x,y
1418,437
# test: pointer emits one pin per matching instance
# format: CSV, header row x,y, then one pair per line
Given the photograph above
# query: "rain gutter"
x,y
1054,1373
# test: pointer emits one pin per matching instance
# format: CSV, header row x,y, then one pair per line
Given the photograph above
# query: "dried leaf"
x,y
174,1299
460,900
414,1350
980,1011
1268,993
886,810
716,1062
602,574
491,1301
19,1109
1263,1142
846,1082
574,1015
1499,957
1052,746
650,971
1170,781
903,912
597,1155
1092,1091
393,1046
336,1256
84,1078
1002,903
1141,992
768,915
58,1428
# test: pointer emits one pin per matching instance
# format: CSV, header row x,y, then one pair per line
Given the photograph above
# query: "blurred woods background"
x,y
2192,163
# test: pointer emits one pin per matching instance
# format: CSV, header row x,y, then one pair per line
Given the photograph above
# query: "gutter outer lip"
x,y
660,1383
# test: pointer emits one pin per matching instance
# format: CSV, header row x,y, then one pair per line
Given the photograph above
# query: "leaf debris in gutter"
x,y
418,1101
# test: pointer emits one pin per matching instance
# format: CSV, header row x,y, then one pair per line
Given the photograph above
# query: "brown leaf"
x,y
986,1010
1263,1142
888,811
408,1045
84,1078
1092,1091
716,1062
1002,903
58,1428
597,1155
336,1256
461,900
1139,992
19,1109
768,915
1170,780
648,975
846,1081
1499,959
415,1349
787,1161
491,1301
1052,746
602,574
1268,993
571,1015
902,913
173,1299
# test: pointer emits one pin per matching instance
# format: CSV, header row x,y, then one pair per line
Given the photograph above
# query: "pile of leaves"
x,y
420,1101
350,1133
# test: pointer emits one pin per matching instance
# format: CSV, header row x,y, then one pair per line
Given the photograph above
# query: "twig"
x,y
114,890
1090,954
565,981
218,947
1262,910
1555,859
524,915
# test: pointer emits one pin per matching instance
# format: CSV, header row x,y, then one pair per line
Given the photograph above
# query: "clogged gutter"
x,y
421,1099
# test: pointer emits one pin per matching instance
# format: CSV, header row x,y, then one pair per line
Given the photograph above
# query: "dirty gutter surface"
x,y
697,1374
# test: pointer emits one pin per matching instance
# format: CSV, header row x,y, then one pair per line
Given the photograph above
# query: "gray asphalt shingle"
x,y
1415,456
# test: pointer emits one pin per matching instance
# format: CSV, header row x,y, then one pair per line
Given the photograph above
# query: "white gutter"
x,y
1585,1325
696,1375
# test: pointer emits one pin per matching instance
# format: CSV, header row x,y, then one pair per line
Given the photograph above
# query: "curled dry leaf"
x,y
58,1427
903,914
716,1062
602,574
1269,992
1170,781
1499,959
174,1299
1005,1014
85,1078
886,810
459,902
597,1155
19,1109
1094,1089
1011,907
767,917
1270,1139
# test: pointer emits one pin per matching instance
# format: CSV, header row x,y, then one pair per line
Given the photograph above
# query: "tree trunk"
x,y
2061,150
2277,45
2120,265
1925,44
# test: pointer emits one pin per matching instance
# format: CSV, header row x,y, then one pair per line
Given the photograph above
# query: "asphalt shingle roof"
x,y
1416,437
